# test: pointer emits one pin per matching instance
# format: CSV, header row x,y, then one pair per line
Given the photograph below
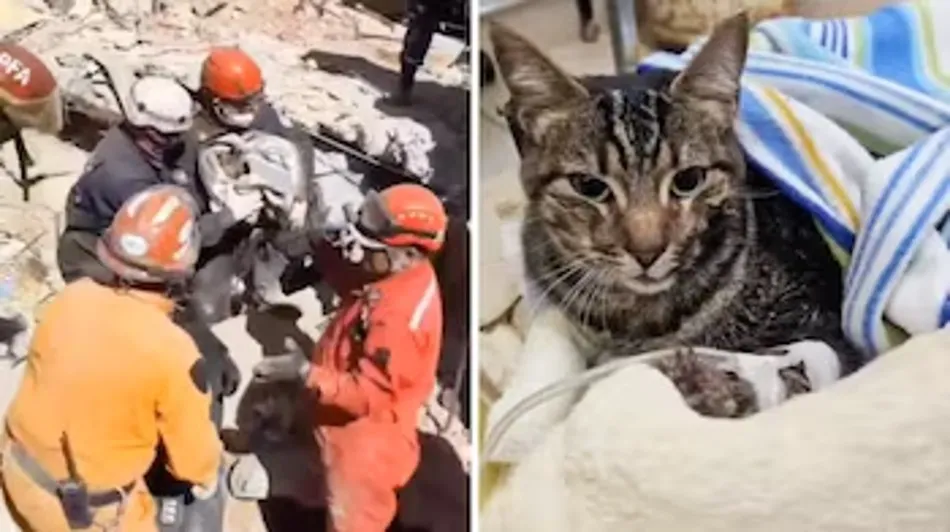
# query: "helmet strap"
x,y
402,258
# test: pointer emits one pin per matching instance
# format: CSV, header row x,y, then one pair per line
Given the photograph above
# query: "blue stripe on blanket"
x,y
857,267
763,125
899,59
901,254
853,92
928,106
911,107
899,260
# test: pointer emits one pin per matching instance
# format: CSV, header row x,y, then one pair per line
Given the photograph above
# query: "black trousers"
x,y
425,16
585,10
77,258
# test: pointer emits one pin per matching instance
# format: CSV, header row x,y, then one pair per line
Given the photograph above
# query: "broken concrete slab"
x,y
19,14
60,161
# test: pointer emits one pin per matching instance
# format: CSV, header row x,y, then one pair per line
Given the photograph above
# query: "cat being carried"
x,y
646,226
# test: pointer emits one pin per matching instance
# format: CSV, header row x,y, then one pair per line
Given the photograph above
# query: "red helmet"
x,y
235,84
29,94
154,237
230,74
403,215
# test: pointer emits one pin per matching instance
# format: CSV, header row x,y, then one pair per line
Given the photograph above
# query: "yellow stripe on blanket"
x,y
814,158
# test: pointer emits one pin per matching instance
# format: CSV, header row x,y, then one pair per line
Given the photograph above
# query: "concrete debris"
x,y
308,78
28,275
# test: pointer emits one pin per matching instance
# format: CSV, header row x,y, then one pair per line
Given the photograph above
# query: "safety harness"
x,y
77,501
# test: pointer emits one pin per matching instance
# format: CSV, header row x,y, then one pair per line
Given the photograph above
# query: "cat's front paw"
x,y
708,388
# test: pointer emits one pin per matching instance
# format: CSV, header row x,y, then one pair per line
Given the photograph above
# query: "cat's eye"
x,y
590,187
686,182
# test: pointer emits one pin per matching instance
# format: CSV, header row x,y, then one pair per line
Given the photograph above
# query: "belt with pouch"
x,y
37,474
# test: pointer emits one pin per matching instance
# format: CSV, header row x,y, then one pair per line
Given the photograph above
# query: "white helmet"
x,y
160,103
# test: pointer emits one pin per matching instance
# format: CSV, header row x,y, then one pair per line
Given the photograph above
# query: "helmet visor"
x,y
375,219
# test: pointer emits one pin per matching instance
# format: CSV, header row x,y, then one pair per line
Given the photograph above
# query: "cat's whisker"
x,y
757,194
605,287
594,289
562,272
578,289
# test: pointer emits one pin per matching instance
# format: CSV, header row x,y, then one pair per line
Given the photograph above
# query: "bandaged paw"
x,y
204,493
248,480
768,374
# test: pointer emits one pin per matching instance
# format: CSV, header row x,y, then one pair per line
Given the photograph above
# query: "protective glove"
x,y
298,215
291,366
245,205
204,493
230,376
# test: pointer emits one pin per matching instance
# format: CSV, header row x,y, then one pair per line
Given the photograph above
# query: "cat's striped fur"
x,y
644,223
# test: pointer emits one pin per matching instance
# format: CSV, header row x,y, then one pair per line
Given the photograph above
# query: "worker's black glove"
x,y
221,371
230,376
288,367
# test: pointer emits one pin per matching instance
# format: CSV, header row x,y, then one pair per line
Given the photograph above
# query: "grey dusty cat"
x,y
646,226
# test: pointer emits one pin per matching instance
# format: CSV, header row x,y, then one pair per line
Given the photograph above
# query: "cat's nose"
x,y
646,257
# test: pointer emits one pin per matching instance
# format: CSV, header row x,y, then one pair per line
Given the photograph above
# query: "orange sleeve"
x,y
184,420
391,360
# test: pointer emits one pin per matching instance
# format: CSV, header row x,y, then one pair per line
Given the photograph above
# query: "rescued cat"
x,y
646,226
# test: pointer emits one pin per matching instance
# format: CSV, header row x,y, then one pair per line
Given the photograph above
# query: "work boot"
x,y
407,79
590,31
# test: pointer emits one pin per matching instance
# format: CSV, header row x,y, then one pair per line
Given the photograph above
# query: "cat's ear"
x,y
541,93
714,72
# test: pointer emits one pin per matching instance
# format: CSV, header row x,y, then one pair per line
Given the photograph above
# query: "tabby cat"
x,y
645,224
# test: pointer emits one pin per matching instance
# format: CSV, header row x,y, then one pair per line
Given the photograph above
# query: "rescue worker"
x,y
375,365
425,18
29,98
590,30
231,96
109,374
147,148
232,100
150,148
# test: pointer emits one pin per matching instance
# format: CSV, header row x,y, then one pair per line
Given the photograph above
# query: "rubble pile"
x,y
325,64
28,276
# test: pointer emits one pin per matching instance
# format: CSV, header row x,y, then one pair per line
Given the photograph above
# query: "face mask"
x,y
349,245
158,146
239,115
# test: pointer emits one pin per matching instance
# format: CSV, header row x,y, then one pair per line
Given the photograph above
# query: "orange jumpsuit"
x,y
111,369
373,369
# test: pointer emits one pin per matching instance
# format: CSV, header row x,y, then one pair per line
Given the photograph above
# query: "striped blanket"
x,y
851,118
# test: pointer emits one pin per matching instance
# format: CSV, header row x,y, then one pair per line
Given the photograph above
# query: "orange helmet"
x,y
229,74
154,237
403,215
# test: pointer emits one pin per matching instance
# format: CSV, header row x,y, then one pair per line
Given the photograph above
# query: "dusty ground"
x,y
332,68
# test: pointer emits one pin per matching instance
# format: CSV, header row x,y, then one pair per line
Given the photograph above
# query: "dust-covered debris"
x,y
331,67
28,274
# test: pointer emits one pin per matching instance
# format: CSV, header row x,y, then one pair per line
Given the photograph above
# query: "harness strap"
x,y
37,474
